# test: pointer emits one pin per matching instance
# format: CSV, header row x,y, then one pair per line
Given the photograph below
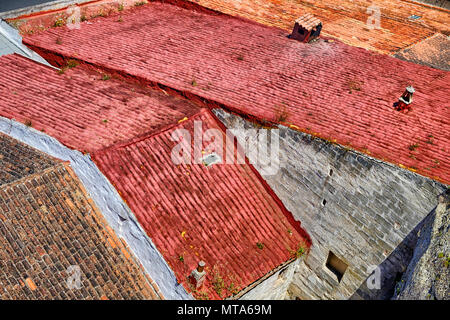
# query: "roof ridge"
x,y
149,135
34,175
30,146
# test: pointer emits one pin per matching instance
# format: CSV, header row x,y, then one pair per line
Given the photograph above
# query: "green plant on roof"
x,y
441,255
105,120
28,123
83,18
202,295
281,113
218,282
106,77
240,57
72,64
59,22
354,85
194,83
181,258
260,245
299,252
120,8
232,288
139,3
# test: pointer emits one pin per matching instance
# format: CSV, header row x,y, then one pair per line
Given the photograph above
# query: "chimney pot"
x,y
306,28
197,276
404,102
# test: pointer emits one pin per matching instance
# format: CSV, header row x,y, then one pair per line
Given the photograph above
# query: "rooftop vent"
x,y
198,275
306,28
404,102
211,159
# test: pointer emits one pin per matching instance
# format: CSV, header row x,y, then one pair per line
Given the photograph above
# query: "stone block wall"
x,y
357,207
274,287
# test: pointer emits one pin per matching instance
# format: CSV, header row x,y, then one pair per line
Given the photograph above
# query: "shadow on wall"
x,y
394,266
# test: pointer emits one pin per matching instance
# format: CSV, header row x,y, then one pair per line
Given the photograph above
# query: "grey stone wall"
x,y
274,287
428,274
359,208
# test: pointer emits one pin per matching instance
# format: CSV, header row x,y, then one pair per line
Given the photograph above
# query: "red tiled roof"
x,y
48,224
346,20
217,214
80,109
340,93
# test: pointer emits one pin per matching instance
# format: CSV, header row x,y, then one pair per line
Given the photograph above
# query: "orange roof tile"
x,y
50,230
346,20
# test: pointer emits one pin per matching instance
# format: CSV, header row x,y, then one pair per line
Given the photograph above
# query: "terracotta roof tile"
x,y
346,20
340,93
433,52
18,160
308,21
81,107
49,228
217,214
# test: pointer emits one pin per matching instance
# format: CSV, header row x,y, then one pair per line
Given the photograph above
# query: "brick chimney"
x,y
197,276
306,28
404,102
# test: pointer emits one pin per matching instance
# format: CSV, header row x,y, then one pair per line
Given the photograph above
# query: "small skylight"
x,y
414,17
211,159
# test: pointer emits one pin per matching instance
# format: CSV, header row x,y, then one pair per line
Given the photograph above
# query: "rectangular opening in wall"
x,y
336,265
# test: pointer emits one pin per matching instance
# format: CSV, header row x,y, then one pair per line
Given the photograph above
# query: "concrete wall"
x,y
370,207
274,287
115,211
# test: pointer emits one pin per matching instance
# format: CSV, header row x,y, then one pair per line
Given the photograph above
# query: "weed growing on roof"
x,y
194,83
59,23
120,19
28,123
181,258
240,57
72,64
120,8
299,252
354,85
106,77
218,283
200,295
413,147
260,245
139,3
430,139
281,114
105,120
83,18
